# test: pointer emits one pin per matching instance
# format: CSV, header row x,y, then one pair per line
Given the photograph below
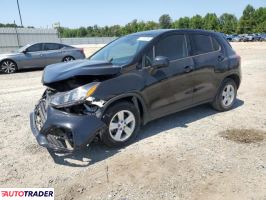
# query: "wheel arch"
x,y
68,56
134,98
9,59
235,78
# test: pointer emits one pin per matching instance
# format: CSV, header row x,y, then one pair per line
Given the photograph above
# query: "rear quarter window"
x,y
201,44
215,44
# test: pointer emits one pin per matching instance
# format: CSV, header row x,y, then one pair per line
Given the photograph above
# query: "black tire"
x,y
218,103
8,67
110,114
68,58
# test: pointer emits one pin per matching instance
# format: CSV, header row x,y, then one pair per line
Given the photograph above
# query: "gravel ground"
x,y
194,154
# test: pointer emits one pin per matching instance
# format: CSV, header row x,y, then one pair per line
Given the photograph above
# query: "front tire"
x,y
123,123
226,95
8,67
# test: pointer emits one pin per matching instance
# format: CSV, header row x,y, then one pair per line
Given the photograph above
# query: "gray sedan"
x,y
38,55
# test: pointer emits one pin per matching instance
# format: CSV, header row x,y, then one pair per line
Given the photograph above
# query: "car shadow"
x,y
30,70
96,151
21,71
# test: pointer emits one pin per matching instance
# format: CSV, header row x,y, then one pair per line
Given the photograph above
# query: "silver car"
x,y
38,55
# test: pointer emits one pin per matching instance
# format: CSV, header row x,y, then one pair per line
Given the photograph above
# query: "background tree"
x,y
247,21
184,22
175,24
165,21
252,21
115,30
211,22
82,32
228,23
196,22
10,25
150,25
260,20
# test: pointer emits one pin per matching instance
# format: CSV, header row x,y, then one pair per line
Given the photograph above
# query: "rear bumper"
x,y
61,131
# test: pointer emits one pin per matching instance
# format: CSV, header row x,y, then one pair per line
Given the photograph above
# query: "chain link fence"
x,y
13,38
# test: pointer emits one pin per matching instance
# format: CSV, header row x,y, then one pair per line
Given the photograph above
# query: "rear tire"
x,y
8,67
226,96
123,123
68,58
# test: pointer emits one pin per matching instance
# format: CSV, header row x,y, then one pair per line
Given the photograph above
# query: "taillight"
x,y
238,56
81,50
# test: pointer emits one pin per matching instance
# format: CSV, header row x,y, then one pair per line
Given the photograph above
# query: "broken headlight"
x,y
73,97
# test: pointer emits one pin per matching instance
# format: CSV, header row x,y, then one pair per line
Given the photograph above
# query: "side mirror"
x,y
24,51
160,62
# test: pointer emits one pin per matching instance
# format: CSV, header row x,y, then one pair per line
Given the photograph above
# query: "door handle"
x,y
220,58
188,69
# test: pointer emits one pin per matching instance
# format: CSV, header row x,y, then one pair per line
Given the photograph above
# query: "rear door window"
x,y
52,46
35,47
174,47
201,44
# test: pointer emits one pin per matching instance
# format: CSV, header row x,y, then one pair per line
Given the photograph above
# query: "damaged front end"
x,y
69,116
65,121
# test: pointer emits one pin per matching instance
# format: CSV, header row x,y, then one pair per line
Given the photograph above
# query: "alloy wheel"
x,y
122,125
8,67
228,95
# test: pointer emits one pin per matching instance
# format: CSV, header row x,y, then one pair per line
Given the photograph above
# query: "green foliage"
x,y
252,21
165,21
10,25
183,22
260,20
228,23
247,22
211,22
196,22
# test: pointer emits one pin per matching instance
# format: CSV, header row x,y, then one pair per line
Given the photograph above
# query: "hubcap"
x,y
8,67
122,125
67,59
228,95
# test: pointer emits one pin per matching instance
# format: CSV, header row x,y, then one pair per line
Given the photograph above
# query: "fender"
x,y
230,74
135,98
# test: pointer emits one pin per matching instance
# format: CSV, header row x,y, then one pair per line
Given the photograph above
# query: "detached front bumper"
x,y
62,131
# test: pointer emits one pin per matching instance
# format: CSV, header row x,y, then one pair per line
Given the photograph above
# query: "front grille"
x,y
62,141
41,114
58,137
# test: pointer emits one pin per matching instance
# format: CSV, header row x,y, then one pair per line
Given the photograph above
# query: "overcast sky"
x,y
76,13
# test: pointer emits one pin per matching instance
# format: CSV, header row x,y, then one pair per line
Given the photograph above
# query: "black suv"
x,y
131,81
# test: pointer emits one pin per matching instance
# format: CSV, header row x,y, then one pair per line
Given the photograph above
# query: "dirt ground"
x,y
195,154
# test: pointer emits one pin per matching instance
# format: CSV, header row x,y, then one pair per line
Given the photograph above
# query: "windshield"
x,y
22,48
122,50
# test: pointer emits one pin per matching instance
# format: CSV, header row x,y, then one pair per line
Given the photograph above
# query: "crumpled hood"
x,y
62,71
